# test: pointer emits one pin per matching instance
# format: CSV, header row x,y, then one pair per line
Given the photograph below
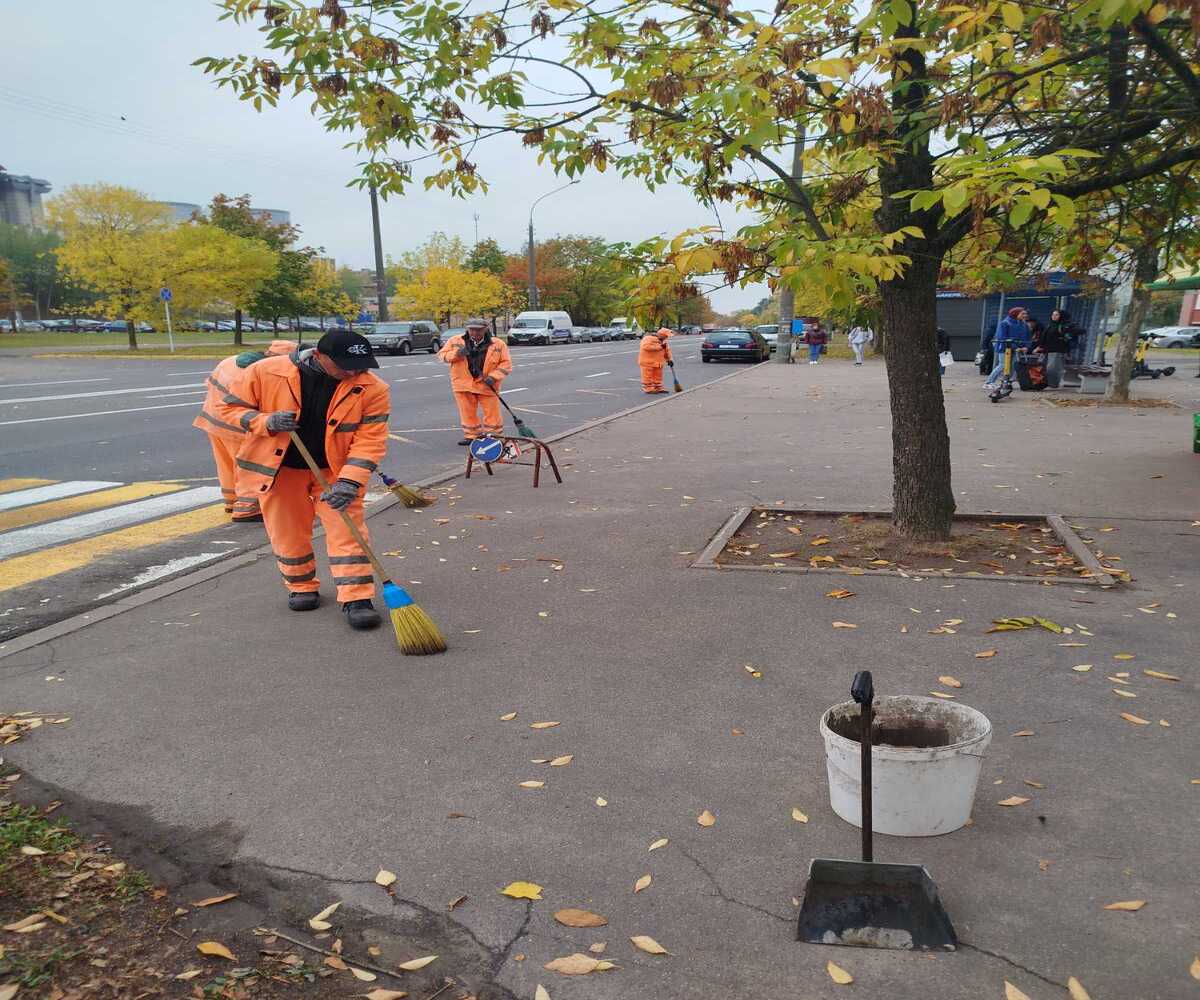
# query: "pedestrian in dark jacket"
x,y
1056,341
817,339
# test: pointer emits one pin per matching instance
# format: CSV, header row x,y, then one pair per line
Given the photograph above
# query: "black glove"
x,y
340,494
282,421
489,382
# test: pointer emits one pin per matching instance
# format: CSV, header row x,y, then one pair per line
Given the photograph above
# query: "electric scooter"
x,y
1004,387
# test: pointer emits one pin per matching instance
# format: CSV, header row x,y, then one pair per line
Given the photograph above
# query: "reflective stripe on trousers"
x,y
652,378
289,509
469,406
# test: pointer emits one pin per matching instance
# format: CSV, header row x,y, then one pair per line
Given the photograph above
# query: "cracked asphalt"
x,y
307,758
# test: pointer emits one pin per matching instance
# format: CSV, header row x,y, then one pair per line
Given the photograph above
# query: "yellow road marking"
x,y
54,509
11,485
22,570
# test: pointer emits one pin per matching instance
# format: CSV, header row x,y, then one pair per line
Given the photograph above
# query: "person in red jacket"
x,y
478,364
652,355
817,339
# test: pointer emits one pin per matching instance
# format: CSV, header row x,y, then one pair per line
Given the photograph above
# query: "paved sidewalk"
x,y
216,723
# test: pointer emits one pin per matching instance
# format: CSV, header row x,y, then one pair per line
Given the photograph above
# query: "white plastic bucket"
x,y
924,765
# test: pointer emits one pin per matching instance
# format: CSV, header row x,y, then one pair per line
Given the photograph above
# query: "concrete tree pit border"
x,y
1100,577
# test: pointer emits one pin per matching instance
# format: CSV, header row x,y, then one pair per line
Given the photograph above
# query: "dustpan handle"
x,y
862,690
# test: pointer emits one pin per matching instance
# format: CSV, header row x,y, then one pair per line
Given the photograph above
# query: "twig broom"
x,y
678,387
522,428
416,634
406,494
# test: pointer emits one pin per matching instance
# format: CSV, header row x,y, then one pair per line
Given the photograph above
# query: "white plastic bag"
x,y
946,359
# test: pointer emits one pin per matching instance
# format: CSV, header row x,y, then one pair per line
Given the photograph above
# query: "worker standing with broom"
x,y
339,411
652,355
478,364
227,438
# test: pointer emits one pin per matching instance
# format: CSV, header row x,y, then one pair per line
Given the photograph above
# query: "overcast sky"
x,y
73,69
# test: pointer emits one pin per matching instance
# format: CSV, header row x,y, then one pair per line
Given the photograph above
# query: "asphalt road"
x,y
105,487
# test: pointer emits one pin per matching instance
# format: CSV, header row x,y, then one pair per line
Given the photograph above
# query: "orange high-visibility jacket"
x,y
356,431
654,351
497,363
209,418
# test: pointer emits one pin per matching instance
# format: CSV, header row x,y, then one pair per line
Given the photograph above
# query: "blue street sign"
x,y
797,328
487,449
164,294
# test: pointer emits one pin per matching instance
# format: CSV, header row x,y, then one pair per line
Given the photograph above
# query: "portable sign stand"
x,y
506,451
165,294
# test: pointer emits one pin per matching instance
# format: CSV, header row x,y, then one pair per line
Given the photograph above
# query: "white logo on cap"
x,y
357,349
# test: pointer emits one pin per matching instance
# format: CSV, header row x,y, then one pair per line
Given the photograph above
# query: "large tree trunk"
x,y
787,298
131,330
922,497
1146,270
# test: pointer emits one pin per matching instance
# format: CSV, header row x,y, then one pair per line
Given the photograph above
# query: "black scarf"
x,y
476,352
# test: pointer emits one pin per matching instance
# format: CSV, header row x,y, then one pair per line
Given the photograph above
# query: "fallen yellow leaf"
x,y
385,877
522,890
1160,675
215,948
647,944
562,761
1194,969
532,784
30,851
821,540
1013,800
1012,993
752,670
508,717
706,818
1024,732
1128,905
641,883
336,963
386,995
601,802
951,682
840,594
838,974
414,964
29,921
540,993
1136,720
1123,693
843,625
577,965
1033,784
184,976
362,975
1123,656
571,917
597,948
986,654
941,694
1075,988
661,842
798,816
1082,668
319,923
214,900
10,990
542,725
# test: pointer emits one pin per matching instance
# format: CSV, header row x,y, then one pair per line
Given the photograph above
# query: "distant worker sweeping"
x,y
478,364
227,438
339,410
652,356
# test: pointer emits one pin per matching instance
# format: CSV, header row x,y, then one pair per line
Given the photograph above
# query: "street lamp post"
x,y
533,292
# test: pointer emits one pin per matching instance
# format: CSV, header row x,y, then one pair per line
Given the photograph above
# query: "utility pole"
x,y
380,280
477,229
787,298
533,291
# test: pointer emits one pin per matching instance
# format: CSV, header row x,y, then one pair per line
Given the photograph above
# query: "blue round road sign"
x,y
487,449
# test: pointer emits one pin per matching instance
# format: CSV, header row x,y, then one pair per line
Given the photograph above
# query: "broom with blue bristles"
x,y
416,634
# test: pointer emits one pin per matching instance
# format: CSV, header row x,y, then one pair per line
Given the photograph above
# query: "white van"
x,y
540,328
629,329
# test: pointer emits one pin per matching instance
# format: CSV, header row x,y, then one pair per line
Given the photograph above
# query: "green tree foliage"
x,y
439,250
486,255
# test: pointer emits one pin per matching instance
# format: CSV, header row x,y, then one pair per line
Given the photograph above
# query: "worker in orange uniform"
x,y
478,364
340,411
652,355
227,438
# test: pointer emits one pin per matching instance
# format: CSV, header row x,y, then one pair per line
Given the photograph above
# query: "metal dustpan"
x,y
862,904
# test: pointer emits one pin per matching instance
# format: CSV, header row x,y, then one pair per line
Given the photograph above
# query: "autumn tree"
x,y
444,292
486,255
439,250
322,295
870,140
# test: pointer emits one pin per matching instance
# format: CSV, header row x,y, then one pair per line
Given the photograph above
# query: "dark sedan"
x,y
734,345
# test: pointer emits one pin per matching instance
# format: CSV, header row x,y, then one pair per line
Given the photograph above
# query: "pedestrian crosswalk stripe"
x,y
23,570
51,491
14,543
56,509
8,485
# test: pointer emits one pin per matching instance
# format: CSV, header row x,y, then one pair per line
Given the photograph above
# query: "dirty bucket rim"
x,y
985,734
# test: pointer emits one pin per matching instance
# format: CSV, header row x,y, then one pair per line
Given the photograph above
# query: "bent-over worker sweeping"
x,y
478,364
652,356
227,438
340,411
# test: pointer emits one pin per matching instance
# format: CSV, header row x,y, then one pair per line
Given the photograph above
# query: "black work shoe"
x,y
248,519
361,614
464,442
304,600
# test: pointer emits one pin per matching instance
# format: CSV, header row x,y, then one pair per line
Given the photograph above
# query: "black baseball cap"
x,y
348,350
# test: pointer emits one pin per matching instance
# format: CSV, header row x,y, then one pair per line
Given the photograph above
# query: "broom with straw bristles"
x,y
678,387
406,494
522,428
416,634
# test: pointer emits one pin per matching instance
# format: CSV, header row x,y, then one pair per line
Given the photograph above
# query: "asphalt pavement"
x,y
106,487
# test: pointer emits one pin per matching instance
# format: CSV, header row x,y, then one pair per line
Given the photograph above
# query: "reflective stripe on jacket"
x,y
356,431
209,418
653,350
497,363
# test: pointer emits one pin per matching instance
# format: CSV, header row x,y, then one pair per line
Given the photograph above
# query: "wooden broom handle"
x,y
353,528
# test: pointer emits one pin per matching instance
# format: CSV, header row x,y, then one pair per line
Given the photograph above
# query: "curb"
x,y
76,623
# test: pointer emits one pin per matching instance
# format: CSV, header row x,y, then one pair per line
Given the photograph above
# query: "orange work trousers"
x,y
652,378
289,508
469,406
225,455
